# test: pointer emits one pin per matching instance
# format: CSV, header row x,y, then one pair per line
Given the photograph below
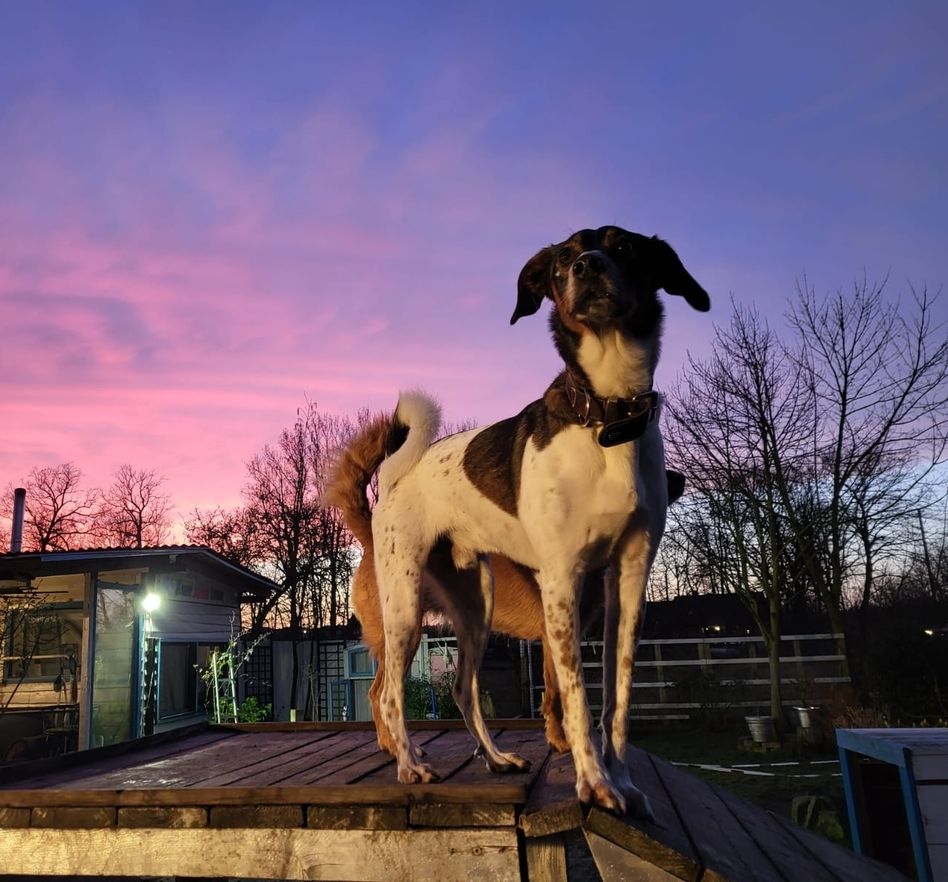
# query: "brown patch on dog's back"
x,y
493,459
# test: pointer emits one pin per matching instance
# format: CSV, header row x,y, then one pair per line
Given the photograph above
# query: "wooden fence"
x,y
681,679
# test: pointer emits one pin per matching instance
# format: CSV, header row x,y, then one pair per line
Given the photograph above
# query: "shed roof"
x,y
199,558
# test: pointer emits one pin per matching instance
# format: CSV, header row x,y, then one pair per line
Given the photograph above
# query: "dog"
x,y
518,611
573,483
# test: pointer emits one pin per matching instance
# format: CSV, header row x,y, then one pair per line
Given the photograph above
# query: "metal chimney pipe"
x,y
19,508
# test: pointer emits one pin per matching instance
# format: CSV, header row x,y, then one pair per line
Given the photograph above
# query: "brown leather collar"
x,y
623,419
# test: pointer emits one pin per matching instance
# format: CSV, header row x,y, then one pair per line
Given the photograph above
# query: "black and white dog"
x,y
574,482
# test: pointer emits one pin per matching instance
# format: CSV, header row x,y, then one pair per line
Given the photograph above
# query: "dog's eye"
x,y
565,256
623,246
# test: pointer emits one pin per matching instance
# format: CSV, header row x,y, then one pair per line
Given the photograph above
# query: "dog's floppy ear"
x,y
533,284
675,279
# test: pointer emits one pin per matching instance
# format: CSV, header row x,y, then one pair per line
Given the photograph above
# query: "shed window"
x,y
40,642
181,689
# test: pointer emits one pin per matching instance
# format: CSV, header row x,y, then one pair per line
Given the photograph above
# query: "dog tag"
x,y
624,431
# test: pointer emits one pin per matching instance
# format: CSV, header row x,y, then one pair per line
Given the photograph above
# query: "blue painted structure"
x,y
919,755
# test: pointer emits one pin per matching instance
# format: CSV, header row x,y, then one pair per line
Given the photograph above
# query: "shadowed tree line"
x,y
62,515
280,530
813,458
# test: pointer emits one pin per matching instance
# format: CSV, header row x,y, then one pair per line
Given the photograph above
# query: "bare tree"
x,y
734,429
877,373
307,545
231,533
59,513
134,512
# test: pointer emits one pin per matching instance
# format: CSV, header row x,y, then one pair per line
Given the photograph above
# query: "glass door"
x,y
115,650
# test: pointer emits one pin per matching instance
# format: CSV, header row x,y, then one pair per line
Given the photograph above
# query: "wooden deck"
x,y
319,801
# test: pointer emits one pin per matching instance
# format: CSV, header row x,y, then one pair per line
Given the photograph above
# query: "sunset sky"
x,y
212,212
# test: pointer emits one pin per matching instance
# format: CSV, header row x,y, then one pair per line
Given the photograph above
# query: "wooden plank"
x,y
841,862
783,848
669,844
726,848
174,817
341,855
552,806
432,814
369,726
370,760
58,768
531,744
505,791
93,763
14,817
618,865
338,766
644,839
292,767
256,816
200,768
446,754
357,817
546,859
71,818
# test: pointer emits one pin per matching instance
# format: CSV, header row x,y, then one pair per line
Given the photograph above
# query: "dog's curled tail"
x,y
417,421
351,474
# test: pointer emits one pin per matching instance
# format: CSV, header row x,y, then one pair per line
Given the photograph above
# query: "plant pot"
x,y
804,716
762,729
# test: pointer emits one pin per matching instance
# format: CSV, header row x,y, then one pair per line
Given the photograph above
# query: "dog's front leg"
x,y
561,615
624,613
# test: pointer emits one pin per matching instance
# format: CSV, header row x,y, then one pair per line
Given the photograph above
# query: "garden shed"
x,y
103,645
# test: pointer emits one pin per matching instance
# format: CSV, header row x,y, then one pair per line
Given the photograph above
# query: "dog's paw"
x,y
417,773
601,793
508,762
556,738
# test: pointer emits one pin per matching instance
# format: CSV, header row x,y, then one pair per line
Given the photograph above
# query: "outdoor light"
x,y
151,601
929,632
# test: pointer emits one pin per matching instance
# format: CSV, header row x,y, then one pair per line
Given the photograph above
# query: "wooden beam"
x,y
618,865
341,855
511,793
546,859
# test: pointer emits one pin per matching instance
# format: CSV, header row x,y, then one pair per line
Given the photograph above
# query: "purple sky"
x,y
210,212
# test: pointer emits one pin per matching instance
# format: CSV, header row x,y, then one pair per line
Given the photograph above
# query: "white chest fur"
x,y
577,497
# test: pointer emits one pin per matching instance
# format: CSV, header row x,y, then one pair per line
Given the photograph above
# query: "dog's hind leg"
x,y
399,581
552,705
384,737
468,599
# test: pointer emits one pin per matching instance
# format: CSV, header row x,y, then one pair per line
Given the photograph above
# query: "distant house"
x,y
109,642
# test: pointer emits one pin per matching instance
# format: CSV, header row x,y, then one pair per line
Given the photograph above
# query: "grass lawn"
x,y
774,792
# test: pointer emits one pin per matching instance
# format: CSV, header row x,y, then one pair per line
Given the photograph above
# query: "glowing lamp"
x,y
151,601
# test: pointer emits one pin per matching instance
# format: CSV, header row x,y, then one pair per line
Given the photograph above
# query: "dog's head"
x,y
604,278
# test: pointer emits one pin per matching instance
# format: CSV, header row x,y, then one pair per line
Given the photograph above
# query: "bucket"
x,y
804,717
762,729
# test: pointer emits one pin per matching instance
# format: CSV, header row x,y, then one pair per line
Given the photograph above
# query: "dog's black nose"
x,y
587,264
